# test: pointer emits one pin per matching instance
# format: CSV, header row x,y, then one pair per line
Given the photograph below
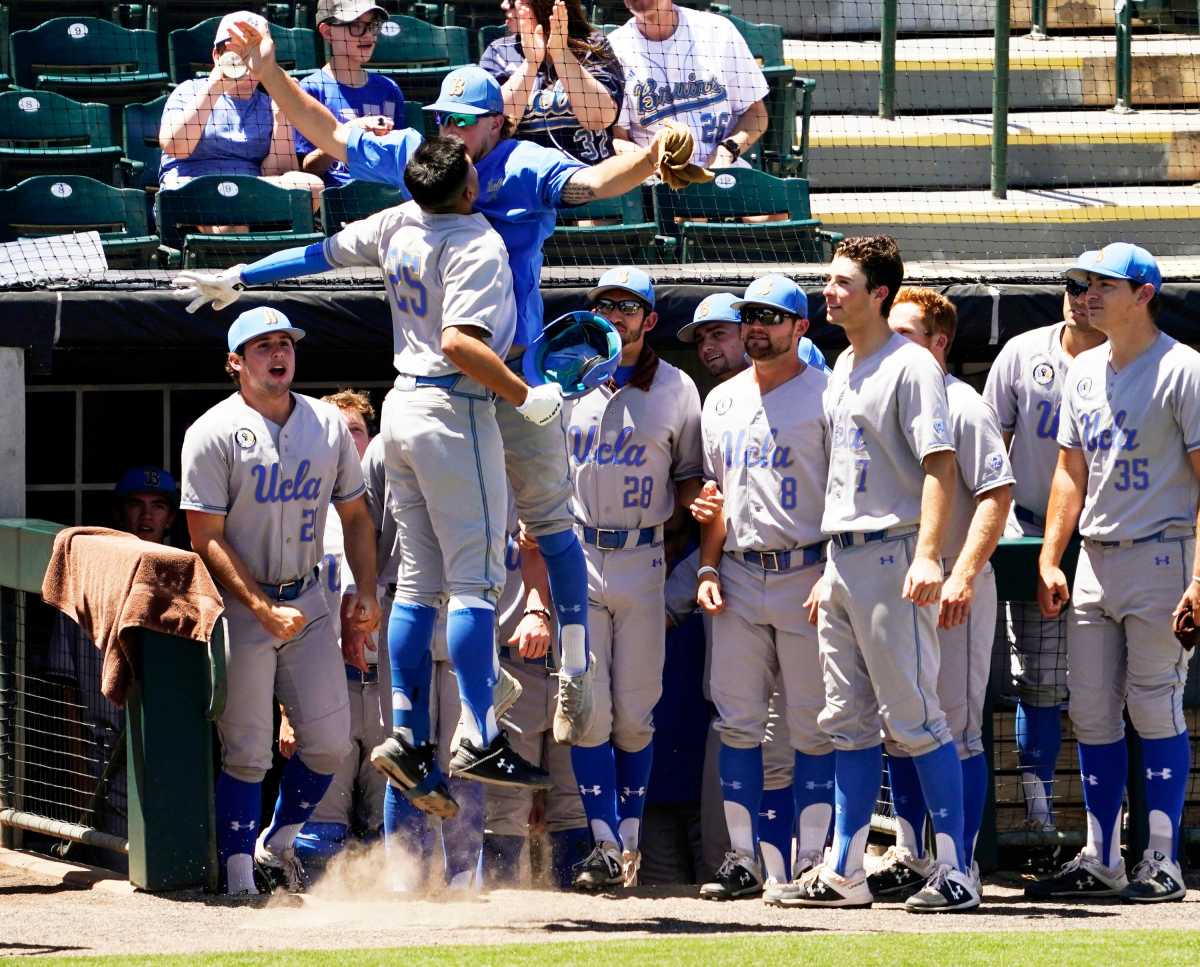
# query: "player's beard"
x,y
764,347
629,335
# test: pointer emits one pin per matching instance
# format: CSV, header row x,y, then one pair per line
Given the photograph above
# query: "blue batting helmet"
x,y
579,351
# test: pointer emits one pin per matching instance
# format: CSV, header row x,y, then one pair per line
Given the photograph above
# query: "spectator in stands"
x,y
562,82
225,124
351,93
693,67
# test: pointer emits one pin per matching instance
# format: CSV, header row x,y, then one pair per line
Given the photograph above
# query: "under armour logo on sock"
x,y
570,608
307,805
735,784
238,827
589,790
1164,774
1089,780
810,785
628,791
769,814
939,813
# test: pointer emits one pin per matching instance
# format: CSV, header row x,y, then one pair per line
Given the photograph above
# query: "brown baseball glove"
x,y
675,166
1185,629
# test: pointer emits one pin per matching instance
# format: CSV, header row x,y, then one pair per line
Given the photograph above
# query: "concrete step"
x,y
956,225
1052,149
940,74
832,18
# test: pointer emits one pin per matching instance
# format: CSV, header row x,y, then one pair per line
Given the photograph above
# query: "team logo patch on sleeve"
x,y
245,438
723,405
939,427
1084,387
1043,374
995,462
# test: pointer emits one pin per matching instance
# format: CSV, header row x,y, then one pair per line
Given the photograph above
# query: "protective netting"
x,y
846,117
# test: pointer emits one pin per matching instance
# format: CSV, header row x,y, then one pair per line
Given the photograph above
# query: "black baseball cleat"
x,y
1084,876
1156,879
415,772
601,869
496,764
947,890
738,878
278,870
901,875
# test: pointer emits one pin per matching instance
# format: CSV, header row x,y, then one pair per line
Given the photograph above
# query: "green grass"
x,y
1088,948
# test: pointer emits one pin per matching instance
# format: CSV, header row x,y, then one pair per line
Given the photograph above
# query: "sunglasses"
x,y
626,306
358,28
459,120
763,316
1076,289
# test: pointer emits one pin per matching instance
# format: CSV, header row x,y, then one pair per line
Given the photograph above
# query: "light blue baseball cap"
x,y
469,90
808,353
259,322
778,292
627,279
719,307
1120,260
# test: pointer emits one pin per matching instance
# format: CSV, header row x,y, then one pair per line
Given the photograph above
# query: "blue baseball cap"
x,y
712,308
147,480
469,90
627,279
808,353
778,292
259,322
1120,260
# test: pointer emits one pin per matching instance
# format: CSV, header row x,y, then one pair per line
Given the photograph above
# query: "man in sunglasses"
x,y
349,92
634,449
1024,387
764,448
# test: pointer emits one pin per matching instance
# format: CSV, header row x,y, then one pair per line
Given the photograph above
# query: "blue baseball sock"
x,y
812,795
1167,762
1103,770
596,775
776,820
742,790
502,859
633,775
942,784
410,643
236,806
975,787
857,774
471,636
462,836
567,848
320,842
908,803
300,790
1039,737
407,840
567,572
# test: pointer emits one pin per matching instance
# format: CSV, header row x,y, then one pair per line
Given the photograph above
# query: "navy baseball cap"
x,y
1120,260
627,279
259,322
147,480
778,292
469,90
712,308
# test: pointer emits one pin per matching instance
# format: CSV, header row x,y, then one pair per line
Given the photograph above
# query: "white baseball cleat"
x,y
948,890
1156,879
823,886
573,714
1084,876
776,894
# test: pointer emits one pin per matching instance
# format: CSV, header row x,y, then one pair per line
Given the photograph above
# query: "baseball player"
x,y
521,187
967,618
634,447
764,446
1024,387
887,504
1127,471
259,472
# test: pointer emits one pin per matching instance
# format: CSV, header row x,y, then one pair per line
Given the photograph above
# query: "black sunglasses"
x,y
763,316
1076,289
626,306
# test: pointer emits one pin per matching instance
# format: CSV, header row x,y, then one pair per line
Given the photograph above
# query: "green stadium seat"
x,y
419,119
140,139
633,240
277,218
735,194
489,34
190,49
27,14
417,55
356,200
45,133
64,204
88,59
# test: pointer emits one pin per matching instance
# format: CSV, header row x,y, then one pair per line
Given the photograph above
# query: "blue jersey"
x,y
236,136
378,96
520,188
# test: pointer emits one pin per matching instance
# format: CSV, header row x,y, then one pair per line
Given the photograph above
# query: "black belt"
x,y
1028,517
854,538
785,560
617,540
289,590
370,678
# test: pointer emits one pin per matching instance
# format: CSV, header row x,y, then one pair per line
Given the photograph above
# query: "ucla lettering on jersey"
x,y
621,453
657,101
1118,435
742,450
270,489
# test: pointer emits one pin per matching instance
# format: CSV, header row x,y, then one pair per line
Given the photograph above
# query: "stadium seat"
x,y
419,119
735,194
417,55
27,14
489,34
45,133
358,199
190,49
64,204
277,218
631,241
88,59
140,139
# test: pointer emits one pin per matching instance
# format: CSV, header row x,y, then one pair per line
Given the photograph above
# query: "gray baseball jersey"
x,y
273,484
441,271
982,461
375,476
1024,387
1135,427
627,447
886,414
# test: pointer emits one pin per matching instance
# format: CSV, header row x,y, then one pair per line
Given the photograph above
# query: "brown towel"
x,y
111,582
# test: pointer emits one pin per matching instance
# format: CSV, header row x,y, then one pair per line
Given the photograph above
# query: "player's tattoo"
x,y
574,193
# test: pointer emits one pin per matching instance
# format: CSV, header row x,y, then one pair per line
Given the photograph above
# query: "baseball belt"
x,y
858,538
289,590
789,560
1028,516
617,540
1166,534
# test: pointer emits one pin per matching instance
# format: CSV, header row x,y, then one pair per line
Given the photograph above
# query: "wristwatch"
x,y
732,147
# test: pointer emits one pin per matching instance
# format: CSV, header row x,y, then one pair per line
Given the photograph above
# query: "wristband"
x,y
1196,579
542,613
707,569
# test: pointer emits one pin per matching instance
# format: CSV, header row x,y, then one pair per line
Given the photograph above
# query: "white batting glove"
x,y
542,404
222,289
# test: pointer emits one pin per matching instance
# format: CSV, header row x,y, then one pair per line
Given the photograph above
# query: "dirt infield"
x,y
58,908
